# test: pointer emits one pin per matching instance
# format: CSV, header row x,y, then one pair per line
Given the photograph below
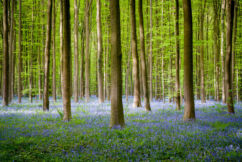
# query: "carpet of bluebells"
x,y
29,134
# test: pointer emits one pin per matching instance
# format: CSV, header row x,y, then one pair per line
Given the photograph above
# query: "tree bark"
x,y
137,102
47,58
82,65
53,58
20,54
76,54
222,50
151,49
11,51
178,106
189,110
100,53
87,55
5,87
228,57
203,95
216,48
143,63
66,66
117,116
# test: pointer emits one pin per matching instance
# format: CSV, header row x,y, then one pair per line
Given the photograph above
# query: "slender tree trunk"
x,y
178,107
189,110
47,58
39,62
203,95
100,52
117,116
66,66
151,49
87,55
5,87
137,102
143,63
20,54
216,48
31,58
234,42
61,41
11,51
222,50
53,58
228,57
127,77
76,53
82,66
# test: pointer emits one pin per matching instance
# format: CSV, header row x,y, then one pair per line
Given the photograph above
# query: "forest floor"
x,y
29,134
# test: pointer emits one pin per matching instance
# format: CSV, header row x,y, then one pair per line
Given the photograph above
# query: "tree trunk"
x,y
189,110
137,102
234,43
143,63
222,50
203,95
5,87
216,48
31,58
47,58
76,54
11,51
82,66
20,54
228,57
87,55
178,106
61,42
151,49
99,52
127,77
117,116
53,58
66,66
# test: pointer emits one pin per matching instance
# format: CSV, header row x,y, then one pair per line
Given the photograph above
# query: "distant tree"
x,y
87,54
228,57
76,52
54,55
137,102
216,31
178,105
99,51
20,54
66,61
47,58
189,110
142,53
5,55
222,49
117,116
151,50
203,95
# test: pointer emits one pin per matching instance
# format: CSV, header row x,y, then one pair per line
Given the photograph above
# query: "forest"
x,y
120,80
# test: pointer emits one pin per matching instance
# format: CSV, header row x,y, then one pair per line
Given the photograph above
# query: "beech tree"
x,y
117,116
189,109
47,58
5,55
228,57
66,61
142,53
137,102
99,51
